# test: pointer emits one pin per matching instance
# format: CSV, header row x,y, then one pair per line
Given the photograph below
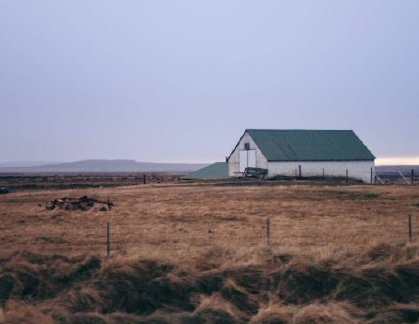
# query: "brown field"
x,y
198,253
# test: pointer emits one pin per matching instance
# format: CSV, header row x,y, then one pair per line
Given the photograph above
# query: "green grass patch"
x,y
371,196
363,196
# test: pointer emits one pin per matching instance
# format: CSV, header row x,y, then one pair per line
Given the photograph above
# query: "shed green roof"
x,y
216,171
310,145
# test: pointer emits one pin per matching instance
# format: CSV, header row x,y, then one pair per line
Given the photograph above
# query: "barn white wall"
x,y
356,169
234,161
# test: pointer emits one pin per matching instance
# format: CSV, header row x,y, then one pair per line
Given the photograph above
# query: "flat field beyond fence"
x,y
181,222
199,253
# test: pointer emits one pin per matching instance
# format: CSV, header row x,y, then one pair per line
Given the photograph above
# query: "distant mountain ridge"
x,y
92,166
397,168
25,164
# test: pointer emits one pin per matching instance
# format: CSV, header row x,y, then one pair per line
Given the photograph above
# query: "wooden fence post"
x,y
371,175
108,241
410,228
144,179
268,231
347,176
299,171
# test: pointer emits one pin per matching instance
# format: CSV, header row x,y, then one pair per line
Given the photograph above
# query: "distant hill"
x,y
24,164
92,166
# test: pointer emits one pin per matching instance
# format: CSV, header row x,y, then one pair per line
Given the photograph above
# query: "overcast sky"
x,y
180,81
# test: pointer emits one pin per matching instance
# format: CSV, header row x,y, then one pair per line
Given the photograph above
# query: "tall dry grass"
x,y
378,288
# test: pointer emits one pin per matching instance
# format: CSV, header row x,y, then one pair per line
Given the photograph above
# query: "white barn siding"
x,y
234,160
356,169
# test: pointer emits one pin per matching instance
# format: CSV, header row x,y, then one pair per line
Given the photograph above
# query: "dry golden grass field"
x,y
198,253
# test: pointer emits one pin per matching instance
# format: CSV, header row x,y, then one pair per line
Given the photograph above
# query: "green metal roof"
x,y
216,171
310,145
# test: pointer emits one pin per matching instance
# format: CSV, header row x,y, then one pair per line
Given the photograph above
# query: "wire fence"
x,y
397,177
111,238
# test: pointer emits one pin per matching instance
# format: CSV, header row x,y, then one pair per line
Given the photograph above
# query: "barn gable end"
x,y
245,144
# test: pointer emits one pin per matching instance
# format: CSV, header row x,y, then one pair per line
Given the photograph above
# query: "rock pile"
x,y
83,203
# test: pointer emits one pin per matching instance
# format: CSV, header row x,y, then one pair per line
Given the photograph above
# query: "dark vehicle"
x,y
4,191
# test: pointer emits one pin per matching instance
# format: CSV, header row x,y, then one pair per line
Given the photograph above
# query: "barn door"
x,y
247,159
251,159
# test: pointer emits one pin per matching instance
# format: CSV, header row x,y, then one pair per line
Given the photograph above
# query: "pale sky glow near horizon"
x,y
180,81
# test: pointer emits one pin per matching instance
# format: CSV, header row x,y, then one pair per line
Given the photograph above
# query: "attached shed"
x,y
302,152
215,171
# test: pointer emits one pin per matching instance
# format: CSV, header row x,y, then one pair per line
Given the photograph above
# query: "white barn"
x,y
306,153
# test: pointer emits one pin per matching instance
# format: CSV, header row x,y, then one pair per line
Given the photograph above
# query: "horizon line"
x,y
395,160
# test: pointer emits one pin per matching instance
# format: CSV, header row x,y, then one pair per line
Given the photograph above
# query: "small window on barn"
x,y
246,146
